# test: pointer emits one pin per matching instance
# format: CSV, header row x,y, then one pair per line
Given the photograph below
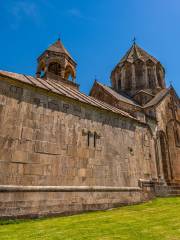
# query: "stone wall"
x,y
49,140
168,121
36,204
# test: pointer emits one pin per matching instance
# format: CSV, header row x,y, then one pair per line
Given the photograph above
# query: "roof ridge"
x,y
157,98
141,49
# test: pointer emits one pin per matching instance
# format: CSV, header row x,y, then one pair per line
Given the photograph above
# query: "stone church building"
x,y
63,152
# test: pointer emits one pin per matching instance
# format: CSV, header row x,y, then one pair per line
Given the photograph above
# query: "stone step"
x,y
174,185
174,188
173,195
173,192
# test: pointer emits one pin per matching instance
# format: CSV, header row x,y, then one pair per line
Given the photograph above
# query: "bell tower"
x,y
57,64
137,71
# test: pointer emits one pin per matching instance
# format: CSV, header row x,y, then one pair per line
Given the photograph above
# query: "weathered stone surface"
x,y
52,148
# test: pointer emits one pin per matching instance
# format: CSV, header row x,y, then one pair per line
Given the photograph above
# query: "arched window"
x,y
119,84
55,68
150,77
151,74
139,74
128,76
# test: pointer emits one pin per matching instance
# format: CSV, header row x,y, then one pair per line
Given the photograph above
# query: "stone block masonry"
x,y
91,158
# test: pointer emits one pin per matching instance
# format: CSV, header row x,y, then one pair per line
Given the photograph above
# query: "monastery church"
x,y
63,152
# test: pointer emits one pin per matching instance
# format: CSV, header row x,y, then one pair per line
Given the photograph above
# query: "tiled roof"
x,y
62,90
155,100
134,53
119,96
58,47
158,97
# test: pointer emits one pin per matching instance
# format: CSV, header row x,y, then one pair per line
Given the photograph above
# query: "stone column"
x,y
163,84
46,72
38,72
161,175
62,71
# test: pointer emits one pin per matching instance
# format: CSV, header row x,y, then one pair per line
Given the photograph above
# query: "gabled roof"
x,y
60,89
125,98
157,99
160,96
119,96
134,53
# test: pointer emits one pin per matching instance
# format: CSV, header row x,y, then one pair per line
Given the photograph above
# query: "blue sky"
x,y
97,33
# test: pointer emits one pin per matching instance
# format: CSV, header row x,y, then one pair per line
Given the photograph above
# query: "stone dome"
x,y
136,71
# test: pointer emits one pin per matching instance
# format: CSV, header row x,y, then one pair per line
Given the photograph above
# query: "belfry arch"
x,y
56,63
69,73
55,68
41,69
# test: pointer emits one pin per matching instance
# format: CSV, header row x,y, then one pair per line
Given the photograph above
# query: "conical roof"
x,y
135,52
58,47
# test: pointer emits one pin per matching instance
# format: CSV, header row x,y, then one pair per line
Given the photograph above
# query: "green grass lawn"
x,y
158,219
